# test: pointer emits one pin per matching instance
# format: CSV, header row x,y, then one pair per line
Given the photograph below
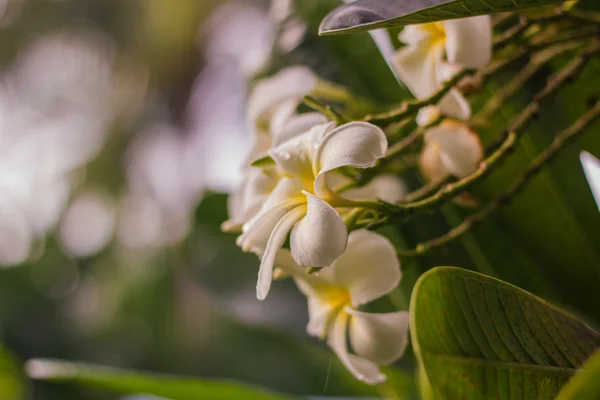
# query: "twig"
x,y
410,108
430,187
516,84
560,142
324,109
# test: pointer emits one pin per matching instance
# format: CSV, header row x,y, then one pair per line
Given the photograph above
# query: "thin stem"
x,y
427,189
410,108
559,143
324,109
516,84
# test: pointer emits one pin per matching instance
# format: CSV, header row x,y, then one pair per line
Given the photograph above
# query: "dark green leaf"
x,y
364,15
477,337
585,384
127,381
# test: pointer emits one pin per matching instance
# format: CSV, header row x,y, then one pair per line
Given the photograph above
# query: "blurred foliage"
x,y
12,380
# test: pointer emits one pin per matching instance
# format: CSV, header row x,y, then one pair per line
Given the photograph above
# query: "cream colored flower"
x,y
367,270
451,148
421,64
302,203
258,183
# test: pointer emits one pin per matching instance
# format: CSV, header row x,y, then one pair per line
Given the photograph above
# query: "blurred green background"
x,y
121,123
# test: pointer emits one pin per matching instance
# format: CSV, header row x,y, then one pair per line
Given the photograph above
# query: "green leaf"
x,y
129,382
12,386
477,337
364,15
585,384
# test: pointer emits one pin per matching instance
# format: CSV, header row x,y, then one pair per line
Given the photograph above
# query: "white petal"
x,y
320,316
246,202
427,115
287,189
460,148
431,163
469,41
291,82
295,156
286,196
320,237
389,188
413,35
364,370
258,230
418,66
281,116
276,240
296,125
355,144
455,105
369,268
381,338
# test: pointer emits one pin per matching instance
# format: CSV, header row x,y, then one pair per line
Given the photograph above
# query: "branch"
x,y
410,108
559,143
324,109
515,130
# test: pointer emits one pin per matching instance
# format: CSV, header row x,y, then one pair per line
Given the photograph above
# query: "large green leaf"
x,y
127,381
585,384
477,337
364,15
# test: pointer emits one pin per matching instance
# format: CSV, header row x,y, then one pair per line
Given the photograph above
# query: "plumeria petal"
x,y
287,189
276,240
417,67
389,188
281,116
291,82
369,268
355,144
415,35
431,163
296,125
469,41
320,316
455,105
246,202
295,155
286,196
258,230
427,115
364,370
320,237
460,148
381,338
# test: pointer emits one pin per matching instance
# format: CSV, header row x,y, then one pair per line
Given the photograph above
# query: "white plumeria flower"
x,y
258,183
451,148
466,42
303,204
291,83
369,269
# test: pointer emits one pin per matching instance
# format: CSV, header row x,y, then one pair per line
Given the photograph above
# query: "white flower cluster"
x,y
295,187
434,52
